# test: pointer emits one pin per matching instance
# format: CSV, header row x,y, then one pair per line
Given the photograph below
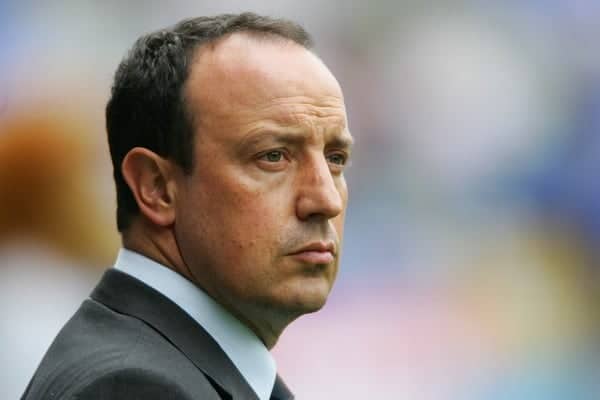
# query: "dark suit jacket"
x,y
128,341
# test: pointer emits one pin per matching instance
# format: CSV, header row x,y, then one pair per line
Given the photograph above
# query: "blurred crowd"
x,y
471,257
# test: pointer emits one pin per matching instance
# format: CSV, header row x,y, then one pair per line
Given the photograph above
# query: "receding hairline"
x,y
258,37
253,36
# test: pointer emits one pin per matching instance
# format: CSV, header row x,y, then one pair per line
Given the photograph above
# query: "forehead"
x,y
246,78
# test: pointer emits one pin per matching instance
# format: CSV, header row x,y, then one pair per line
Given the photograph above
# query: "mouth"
x,y
316,253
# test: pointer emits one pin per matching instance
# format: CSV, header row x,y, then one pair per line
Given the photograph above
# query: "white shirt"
x,y
242,346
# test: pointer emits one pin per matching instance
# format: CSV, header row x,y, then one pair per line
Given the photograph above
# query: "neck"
x,y
156,243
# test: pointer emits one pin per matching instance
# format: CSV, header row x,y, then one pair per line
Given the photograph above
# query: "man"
x,y
228,138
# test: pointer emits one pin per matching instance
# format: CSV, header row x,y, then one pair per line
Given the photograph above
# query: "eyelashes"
x,y
277,159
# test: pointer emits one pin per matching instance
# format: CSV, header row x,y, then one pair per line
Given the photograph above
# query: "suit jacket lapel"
x,y
281,391
129,296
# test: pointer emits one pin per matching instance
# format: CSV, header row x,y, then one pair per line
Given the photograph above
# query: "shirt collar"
x,y
241,345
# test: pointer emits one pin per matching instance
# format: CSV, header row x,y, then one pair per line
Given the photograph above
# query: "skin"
x,y
271,145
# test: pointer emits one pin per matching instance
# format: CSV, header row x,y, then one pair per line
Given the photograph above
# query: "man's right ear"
x,y
150,179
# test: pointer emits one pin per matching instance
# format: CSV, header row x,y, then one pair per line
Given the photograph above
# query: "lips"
x,y
316,253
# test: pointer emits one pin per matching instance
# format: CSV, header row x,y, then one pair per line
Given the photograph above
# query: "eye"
x,y
273,160
272,156
337,158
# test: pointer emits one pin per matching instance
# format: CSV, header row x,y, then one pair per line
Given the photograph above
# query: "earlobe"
x,y
149,178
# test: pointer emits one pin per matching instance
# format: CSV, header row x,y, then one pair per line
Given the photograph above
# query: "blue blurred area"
x,y
567,189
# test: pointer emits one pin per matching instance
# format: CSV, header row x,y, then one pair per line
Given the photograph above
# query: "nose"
x,y
319,196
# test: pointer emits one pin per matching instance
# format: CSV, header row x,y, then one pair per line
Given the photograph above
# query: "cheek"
x,y
237,217
338,224
244,224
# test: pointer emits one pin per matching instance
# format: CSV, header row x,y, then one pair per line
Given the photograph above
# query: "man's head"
x,y
229,139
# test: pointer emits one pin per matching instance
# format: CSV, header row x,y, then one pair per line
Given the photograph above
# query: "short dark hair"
x,y
147,107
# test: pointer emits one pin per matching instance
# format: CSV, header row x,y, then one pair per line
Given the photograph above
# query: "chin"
x,y
308,302
314,306
299,296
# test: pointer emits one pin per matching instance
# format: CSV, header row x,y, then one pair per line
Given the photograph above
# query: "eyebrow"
x,y
343,141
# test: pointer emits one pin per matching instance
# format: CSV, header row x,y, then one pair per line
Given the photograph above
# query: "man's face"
x,y
260,220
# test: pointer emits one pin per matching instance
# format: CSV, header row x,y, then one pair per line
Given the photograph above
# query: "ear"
x,y
150,179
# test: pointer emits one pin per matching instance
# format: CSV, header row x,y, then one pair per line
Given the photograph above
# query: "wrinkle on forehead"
x,y
298,110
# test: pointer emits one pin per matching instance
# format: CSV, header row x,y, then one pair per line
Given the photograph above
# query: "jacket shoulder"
x,y
140,383
102,354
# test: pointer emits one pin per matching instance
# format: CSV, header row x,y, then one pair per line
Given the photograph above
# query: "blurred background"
x,y
471,263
